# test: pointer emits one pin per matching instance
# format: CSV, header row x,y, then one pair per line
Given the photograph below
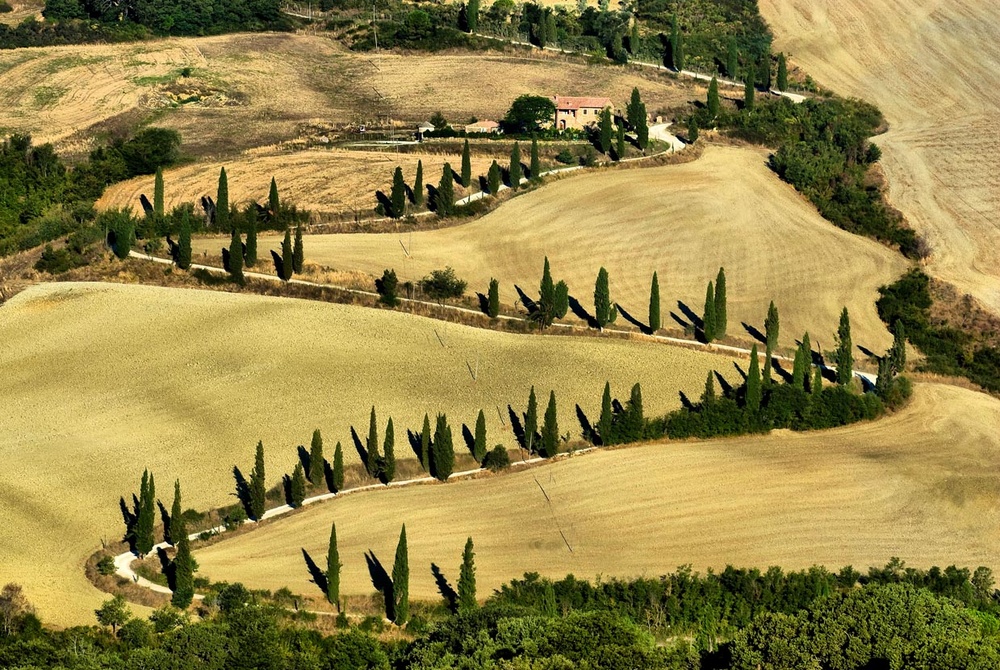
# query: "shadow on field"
x,y
698,322
382,583
484,303
318,575
528,303
243,492
586,428
643,328
581,313
445,589
754,333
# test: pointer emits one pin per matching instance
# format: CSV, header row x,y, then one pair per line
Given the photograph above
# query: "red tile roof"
x,y
567,102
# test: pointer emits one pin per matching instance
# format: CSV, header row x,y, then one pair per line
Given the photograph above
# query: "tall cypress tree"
x,y
550,429
297,493
560,303
479,443
418,186
444,200
389,453
236,256
782,73
605,426
273,201
158,194
467,580
721,320
183,575
897,355
371,445
635,421
817,382
845,350
177,528
493,300
401,580
749,89
606,130
771,327
676,45
472,15
493,178
799,369
515,167
753,382
654,304
531,421
299,255
806,358
466,165
732,59
768,355
602,299
316,461
258,488
536,164
442,450
251,252
425,445
708,318
546,295
333,566
397,197
184,243
338,469
708,395
713,97
144,539
222,202
286,256
632,108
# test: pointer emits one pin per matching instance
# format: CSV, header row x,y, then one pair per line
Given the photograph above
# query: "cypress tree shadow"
x,y
589,434
362,452
698,322
304,458
286,487
445,589
147,206
243,491
432,198
175,249
415,442
225,259
785,375
410,195
167,567
317,574
279,265
470,440
130,518
681,322
457,177
528,303
484,184
382,583
505,176
725,388
484,303
386,203
581,313
328,477
517,427
754,333
685,401
646,330
868,352
739,370
829,374
208,205
866,385
165,519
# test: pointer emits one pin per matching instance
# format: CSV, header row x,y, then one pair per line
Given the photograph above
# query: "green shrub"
x,y
106,566
441,285
496,459
5,7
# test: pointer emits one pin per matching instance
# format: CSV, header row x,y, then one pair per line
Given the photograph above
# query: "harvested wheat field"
x,y
922,485
684,221
933,67
101,381
320,180
251,90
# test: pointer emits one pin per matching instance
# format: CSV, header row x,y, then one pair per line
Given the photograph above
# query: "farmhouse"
x,y
483,127
574,112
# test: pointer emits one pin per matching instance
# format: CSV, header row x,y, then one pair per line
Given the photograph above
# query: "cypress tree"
x,y
124,238
536,164
771,326
897,355
605,425
236,257
389,453
713,97
515,167
531,421
546,295
493,178
442,451
158,194
642,128
606,130
817,383
176,529
183,575
444,201
258,489
602,299
184,244
635,421
768,355
299,255
273,201
144,539
732,59
493,300
401,580
708,395
721,320
782,73
479,444
472,15
708,319
466,165
676,45
748,89
333,566
251,251
397,196
620,141
338,469
418,186
297,494
799,369
371,445
425,445
550,429
753,382
807,356
467,580
560,302
222,201
692,130
845,350
632,108
286,256
316,462
654,304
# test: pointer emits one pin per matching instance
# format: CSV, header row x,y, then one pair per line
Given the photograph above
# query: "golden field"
x,y
922,485
684,221
101,381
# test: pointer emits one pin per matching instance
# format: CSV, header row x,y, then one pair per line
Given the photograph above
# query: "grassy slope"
x,y
857,495
101,381
683,221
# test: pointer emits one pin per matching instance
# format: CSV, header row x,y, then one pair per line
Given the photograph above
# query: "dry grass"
x,y
101,381
934,69
726,209
857,495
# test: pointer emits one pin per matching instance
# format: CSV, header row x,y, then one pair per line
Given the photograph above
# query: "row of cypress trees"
x,y
292,258
715,321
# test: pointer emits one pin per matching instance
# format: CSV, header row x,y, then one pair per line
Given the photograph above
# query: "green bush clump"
x,y
496,459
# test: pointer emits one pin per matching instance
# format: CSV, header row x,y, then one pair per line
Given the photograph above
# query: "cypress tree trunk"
x,y
531,422
236,257
605,425
418,186
298,487
467,580
397,196
401,580
708,318
258,489
493,301
176,530
371,445
782,73
389,453
466,165
845,350
444,200
158,194
536,164
753,382
184,244
602,299
550,429
721,320
299,255
316,462
333,566
183,575
515,167
654,304
286,256
222,202
338,469
273,201
251,252
479,444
